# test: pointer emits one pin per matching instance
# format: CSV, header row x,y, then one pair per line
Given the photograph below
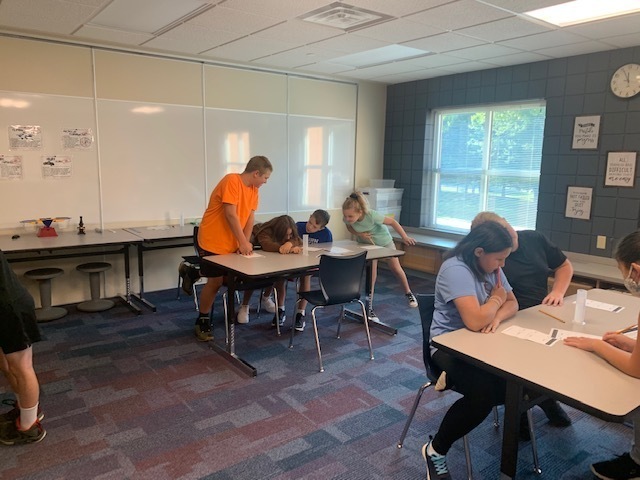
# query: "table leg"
x,y
127,277
512,411
229,349
140,296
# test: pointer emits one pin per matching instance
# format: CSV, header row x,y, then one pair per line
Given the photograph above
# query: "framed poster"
x,y
585,133
621,169
579,202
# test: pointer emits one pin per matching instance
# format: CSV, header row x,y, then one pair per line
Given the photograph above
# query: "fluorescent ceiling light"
x,y
147,16
582,11
345,17
379,56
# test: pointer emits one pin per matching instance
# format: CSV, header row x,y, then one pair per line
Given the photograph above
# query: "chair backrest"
x,y
196,245
426,306
341,277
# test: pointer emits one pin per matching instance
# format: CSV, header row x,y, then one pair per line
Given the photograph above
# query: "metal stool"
x,y
43,276
96,304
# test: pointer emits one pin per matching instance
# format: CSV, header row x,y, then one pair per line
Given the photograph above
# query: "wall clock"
x,y
625,82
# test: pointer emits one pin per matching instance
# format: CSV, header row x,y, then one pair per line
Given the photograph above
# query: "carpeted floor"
x,y
138,397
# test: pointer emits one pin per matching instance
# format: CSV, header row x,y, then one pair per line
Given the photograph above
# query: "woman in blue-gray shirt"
x,y
471,292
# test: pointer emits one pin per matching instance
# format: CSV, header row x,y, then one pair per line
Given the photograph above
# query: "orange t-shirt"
x,y
215,235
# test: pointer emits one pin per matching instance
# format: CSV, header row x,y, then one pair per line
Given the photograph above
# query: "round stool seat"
x,y
93,267
44,275
96,304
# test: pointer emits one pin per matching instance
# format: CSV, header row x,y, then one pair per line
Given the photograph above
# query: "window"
x,y
486,158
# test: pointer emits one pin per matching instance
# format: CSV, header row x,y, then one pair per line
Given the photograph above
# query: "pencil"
x,y
552,316
630,328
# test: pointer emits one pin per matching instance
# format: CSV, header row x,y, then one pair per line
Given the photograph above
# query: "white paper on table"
x,y
339,251
252,255
603,306
562,334
159,227
529,334
370,247
314,249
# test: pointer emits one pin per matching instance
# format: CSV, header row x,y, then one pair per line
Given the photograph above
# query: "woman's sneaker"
x,y
11,435
411,298
300,323
281,315
268,305
436,465
243,314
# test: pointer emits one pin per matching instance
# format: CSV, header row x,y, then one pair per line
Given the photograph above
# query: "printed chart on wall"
x,y
579,202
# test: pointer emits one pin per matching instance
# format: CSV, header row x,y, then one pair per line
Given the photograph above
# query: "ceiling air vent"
x,y
345,17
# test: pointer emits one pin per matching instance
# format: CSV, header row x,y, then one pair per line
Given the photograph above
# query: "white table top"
x,y
162,232
272,263
581,379
30,242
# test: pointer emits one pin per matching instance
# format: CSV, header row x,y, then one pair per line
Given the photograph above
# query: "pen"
x,y
628,329
552,316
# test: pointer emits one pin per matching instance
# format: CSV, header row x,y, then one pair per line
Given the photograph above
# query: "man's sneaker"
x,y
282,317
436,465
411,298
268,305
243,314
203,333
14,413
300,324
621,468
11,435
372,316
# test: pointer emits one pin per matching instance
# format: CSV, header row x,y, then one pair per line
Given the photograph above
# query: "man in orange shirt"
x,y
226,228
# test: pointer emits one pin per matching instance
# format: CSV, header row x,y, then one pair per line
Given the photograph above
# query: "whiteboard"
x,y
233,137
151,158
33,196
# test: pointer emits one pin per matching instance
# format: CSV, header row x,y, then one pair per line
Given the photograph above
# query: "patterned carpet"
x,y
137,397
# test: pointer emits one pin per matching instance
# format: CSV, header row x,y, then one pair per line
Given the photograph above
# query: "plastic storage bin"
x,y
393,212
381,183
379,198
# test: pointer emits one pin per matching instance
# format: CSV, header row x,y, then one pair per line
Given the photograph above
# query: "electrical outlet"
x,y
601,242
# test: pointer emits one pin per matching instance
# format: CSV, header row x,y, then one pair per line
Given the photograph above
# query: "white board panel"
x,y
322,159
152,165
233,137
34,196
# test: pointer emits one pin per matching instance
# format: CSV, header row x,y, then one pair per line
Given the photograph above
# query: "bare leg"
x,y
208,294
24,383
305,286
396,268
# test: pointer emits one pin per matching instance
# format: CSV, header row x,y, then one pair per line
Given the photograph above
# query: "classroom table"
x,y
30,247
271,265
578,378
158,238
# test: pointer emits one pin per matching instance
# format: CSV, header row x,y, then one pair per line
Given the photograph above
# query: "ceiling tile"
x,y
624,41
444,42
459,14
574,49
284,9
191,39
50,16
248,48
299,31
233,20
396,8
517,59
432,61
349,43
398,31
326,68
483,51
611,27
553,38
294,58
504,29
520,6
111,35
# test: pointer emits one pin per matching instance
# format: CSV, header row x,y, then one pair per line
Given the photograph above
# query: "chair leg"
x,y
195,296
340,319
315,331
179,285
366,328
534,445
412,413
467,456
226,317
496,419
293,321
275,295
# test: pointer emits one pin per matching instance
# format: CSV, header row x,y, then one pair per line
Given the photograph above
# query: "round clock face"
x,y
625,82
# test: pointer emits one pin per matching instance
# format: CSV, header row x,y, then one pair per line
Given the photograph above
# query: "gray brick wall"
x,y
571,86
